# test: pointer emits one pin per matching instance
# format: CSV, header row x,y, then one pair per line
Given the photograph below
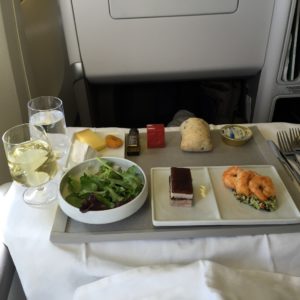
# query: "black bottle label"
x,y
133,142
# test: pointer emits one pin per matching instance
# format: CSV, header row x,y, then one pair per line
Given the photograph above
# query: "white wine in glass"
x,y
31,162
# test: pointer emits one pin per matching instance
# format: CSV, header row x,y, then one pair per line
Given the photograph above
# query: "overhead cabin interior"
x,y
140,61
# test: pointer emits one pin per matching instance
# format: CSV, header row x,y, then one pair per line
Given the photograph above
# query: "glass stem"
x,y
40,188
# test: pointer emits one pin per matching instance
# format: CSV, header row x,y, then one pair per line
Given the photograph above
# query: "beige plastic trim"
x,y
124,9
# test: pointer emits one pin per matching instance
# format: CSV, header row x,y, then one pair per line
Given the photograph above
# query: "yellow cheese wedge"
x,y
91,138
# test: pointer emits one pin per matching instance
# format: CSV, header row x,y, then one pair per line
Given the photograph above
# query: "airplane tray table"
x,y
140,226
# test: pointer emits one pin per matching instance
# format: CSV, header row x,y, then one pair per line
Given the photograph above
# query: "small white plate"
x,y
80,151
204,210
115,152
219,207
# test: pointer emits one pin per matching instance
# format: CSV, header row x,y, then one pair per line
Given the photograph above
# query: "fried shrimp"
x,y
262,187
242,182
230,176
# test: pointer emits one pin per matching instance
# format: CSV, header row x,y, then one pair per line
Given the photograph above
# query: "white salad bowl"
x,y
91,166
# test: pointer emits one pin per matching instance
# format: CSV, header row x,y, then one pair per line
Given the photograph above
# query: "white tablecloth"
x,y
64,271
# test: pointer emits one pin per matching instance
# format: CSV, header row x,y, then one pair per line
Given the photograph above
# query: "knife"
x,y
284,161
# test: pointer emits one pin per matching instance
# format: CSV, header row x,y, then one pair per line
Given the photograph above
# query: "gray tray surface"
x,y
139,225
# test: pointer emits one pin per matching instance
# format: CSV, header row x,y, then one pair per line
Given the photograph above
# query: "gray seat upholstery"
x,y
7,270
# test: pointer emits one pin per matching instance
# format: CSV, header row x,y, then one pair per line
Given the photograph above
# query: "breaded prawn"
x,y
230,176
242,182
262,187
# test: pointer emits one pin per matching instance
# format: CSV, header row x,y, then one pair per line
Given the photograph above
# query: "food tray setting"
x,y
218,206
140,225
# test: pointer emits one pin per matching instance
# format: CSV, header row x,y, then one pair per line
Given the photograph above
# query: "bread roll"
x,y
195,135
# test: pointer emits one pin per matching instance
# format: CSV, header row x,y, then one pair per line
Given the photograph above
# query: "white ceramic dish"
x,y
219,207
105,216
80,151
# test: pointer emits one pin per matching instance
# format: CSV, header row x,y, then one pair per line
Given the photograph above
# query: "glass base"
x,y
42,195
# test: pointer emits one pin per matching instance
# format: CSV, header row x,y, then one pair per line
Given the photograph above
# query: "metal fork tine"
x,y
295,138
280,141
286,147
293,134
297,132
284,142
287,142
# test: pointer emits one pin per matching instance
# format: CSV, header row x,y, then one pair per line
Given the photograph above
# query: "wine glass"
x,y
48,112
31,162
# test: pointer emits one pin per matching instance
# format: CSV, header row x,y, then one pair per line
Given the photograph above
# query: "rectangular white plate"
x,y
81,151
219,206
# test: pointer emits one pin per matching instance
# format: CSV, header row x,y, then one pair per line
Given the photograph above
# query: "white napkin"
x,y
77,152
200,280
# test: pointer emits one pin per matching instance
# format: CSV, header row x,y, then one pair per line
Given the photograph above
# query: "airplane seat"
x,y
278,92
7,268
113,44
10,286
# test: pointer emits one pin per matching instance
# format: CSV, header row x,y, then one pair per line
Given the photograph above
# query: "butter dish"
x,y
235,135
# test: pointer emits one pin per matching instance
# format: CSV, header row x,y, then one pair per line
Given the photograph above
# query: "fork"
x,y
286,147
295,138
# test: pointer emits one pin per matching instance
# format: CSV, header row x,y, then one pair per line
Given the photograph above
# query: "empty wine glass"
x,y
31,162
48,112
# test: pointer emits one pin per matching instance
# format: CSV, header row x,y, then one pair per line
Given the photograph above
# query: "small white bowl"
x,y
91,166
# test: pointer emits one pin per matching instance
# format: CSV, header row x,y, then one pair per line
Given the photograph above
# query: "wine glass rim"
x,y
59,104
21,125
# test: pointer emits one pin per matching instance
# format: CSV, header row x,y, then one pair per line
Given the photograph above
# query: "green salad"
x,y
110,187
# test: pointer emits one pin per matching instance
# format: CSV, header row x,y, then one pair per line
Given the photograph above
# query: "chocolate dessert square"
x,y
181,187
